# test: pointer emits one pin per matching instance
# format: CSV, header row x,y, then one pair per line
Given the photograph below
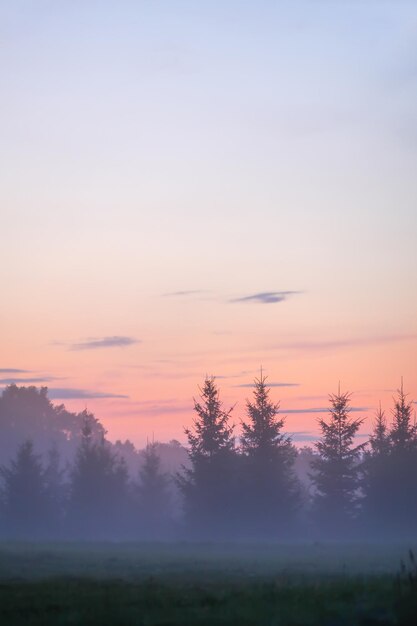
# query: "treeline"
x,y
232,487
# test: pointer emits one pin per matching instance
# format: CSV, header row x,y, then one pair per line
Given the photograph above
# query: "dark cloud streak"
x,y
353,409
180,294
266,297
25,381
302,435
80,394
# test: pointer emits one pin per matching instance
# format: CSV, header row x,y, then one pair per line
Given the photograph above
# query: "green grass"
x,y
206,584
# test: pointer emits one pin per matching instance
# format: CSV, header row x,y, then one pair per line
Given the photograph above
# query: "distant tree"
x,y
173,457
98,488
208,485
26,413
305,457
337,471
271,489
303,468
56,491
127,451
23,495
153,496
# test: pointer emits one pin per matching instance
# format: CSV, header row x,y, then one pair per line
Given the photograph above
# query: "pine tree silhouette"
x,y
208,486
336,473
271,490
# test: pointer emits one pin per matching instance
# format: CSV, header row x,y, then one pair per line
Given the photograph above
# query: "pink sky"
x,y
156,378
165,169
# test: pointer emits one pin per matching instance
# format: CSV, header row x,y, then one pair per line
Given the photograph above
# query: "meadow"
x,y
185,583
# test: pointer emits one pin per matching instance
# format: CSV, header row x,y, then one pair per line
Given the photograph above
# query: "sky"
x,y
204,188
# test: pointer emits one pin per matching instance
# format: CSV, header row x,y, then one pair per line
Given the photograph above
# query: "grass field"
x,y
181,584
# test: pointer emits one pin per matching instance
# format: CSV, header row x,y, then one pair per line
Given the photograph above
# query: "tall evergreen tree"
x,y
376,505
153,496
23,495
271,489
401,483
208,486
98,488
337,470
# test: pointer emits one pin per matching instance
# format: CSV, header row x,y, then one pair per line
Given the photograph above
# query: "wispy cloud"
x,y
96,343
334,344
308,435
12,370
155,410
236,375
268,384
27,380
147,403
303,435
166,409
80,394
353,409
318,397
180,294
266,297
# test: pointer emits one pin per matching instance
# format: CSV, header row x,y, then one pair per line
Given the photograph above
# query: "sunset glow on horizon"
x,y
174,209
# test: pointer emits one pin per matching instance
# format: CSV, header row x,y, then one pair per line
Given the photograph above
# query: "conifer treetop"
x,y
403,433
379,440
339,432
264,429
212,432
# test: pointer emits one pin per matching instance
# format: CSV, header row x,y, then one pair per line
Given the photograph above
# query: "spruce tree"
x,y
337,471
401,484
271,490
208,485
390,504
376,506
211,433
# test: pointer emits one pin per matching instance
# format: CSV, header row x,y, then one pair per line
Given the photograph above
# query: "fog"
x,y
61,479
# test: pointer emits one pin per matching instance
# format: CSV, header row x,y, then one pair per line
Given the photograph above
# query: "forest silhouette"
x,y
60,478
